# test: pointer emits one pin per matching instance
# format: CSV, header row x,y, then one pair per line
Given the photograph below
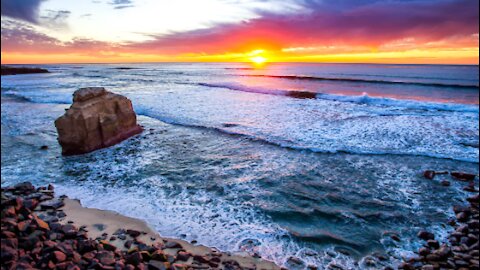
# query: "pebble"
x,y
41,242
461,250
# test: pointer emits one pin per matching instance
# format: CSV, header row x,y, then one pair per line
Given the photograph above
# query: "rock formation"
x,y
96,119
7,70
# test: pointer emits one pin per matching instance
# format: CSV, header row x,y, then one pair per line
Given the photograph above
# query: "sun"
x,y
258,59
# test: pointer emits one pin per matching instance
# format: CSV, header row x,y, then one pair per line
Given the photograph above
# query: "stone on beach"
x,y
97,119
32,240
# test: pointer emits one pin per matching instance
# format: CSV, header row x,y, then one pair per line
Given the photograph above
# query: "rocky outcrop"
x,y
39,232
96,119
7,70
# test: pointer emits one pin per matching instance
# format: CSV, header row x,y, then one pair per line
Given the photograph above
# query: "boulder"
x,y
463,176
96,119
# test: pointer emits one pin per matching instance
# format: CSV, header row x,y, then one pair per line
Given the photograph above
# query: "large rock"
x,y
7,70
96,119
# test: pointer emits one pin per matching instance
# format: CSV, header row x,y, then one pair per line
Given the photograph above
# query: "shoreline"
x,y
116,241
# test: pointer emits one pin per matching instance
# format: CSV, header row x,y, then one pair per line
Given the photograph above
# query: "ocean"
x,y
317,162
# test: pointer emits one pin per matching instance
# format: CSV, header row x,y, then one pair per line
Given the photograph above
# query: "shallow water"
x,y
324,180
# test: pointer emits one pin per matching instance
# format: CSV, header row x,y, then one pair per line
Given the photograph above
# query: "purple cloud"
x,y
26,10
333,23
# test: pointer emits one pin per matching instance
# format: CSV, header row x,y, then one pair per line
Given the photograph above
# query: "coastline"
x,y
37,141
129,242
114,221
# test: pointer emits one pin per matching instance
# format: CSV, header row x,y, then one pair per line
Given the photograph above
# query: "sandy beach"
x,y
104,224
43,231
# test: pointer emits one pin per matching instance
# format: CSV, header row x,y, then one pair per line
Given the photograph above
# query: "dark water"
x,y
259,163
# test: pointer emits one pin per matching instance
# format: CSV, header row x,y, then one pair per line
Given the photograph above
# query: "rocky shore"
x,y
7,70
462,249
41,231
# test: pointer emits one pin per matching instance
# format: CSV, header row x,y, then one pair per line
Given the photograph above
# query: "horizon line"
x,y
239,62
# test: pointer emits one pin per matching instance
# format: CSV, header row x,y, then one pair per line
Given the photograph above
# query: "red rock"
x,y
8,234
158,265
213,265
69,230
159,256
59,256
76,257
200,259
96,119
134,258
429,174
172,244
49,243
8,254
445,183
23,225
133,233
9,221
463,176
24,265
31,203
105,257
64,265
128,243
179,266
9,211
119,265
424,235
424,251
86,245
10,242
23,187
73,267
183,256
145,255
41,224
106,245
129,267
89,255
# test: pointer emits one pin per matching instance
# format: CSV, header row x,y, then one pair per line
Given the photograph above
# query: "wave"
x,y
235,129
410,104
314,78
125,68
14,96
240,68
362,99
232,130
76,74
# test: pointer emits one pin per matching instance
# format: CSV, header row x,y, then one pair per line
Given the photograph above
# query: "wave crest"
x,y
362,99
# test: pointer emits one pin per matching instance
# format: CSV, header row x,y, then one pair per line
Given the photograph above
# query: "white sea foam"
x,y
362,99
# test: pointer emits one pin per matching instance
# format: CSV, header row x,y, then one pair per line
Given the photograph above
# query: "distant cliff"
x,y
7,70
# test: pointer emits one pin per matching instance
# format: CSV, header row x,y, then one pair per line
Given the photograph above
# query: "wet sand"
x,y
98,222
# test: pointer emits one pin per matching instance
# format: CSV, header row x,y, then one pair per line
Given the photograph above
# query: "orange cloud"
x,y
442,31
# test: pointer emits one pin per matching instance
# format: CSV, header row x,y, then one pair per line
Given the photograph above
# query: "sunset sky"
x,y
359,31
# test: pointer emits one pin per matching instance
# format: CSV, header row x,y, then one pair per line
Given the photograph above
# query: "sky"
x,y
352,31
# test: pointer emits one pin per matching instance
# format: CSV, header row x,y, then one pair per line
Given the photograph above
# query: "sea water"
x,y
321,162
